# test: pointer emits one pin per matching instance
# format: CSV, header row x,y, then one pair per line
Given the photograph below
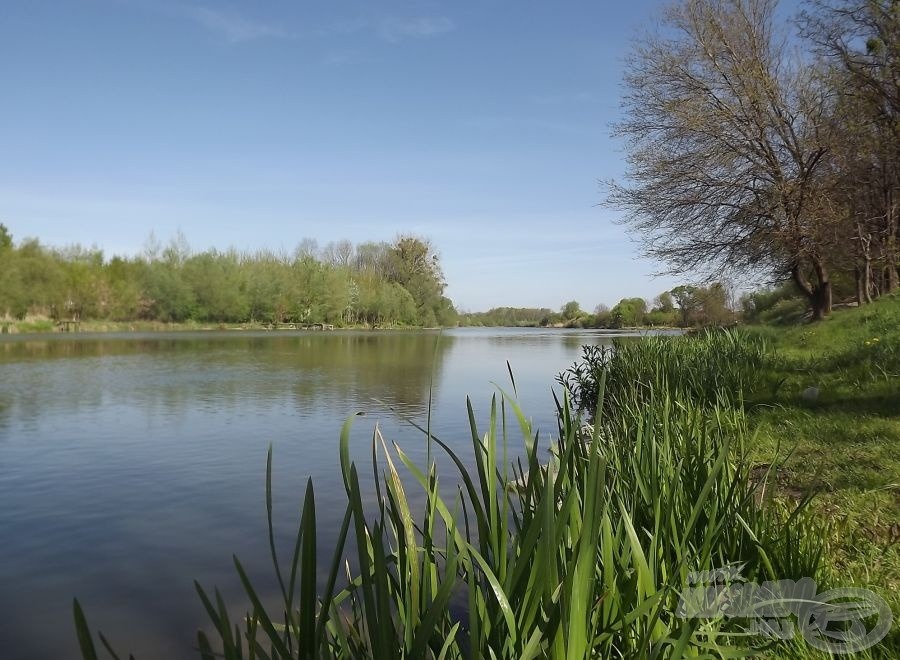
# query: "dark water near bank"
x,y
131,465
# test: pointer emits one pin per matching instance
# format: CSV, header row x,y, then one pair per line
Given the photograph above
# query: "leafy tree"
x,y
218,287
664,303
703,305
859,40
372,257
6,240
122,292
602,316
628,312
82,272
510,317
166,295
571,310
688,303
413,264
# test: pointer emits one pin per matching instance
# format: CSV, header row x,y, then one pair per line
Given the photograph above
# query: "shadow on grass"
x,y
885,405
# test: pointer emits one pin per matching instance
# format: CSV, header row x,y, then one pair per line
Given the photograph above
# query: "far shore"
x,y
48,326
94,327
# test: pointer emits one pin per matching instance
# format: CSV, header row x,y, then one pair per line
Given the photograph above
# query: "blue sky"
x,y
481,125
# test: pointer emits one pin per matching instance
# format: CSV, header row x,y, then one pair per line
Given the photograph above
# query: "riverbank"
x,y
43,326
835,417
822,406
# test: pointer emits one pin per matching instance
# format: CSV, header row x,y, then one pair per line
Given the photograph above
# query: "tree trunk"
x,y
867,280
822,291
892,281
860,286
819,293
863,271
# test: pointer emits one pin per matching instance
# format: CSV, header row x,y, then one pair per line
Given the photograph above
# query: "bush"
x,y
759,306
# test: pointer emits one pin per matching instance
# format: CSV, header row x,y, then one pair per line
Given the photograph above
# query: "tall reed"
x,y
717,365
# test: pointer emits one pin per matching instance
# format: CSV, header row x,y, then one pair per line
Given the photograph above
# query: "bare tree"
x,y
308,248
343,251
372,257
726,137
329,254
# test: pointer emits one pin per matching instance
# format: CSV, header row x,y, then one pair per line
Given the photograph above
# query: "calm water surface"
x,y
131,465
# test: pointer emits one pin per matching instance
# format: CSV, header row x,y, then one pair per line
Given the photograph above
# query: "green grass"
x,y
40,325
845,444
823,402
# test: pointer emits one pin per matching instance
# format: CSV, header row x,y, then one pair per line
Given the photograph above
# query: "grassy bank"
x,y
837,416
823,405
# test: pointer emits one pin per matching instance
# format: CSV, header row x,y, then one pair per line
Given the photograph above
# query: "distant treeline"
x,y
683,306
372,283
510,317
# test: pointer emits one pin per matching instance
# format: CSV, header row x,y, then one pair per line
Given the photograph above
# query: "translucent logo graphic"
x,y
838,621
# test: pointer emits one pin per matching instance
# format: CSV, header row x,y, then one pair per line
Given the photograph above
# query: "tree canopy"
x,y
369,284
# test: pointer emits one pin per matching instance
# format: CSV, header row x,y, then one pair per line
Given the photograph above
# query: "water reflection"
x,y
173,374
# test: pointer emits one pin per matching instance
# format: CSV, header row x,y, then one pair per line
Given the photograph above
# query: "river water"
x,y
131,465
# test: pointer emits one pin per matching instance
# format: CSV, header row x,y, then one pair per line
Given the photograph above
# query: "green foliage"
x,y
697,306
375,284
658,318
628,313
781,304
412,263
571,310
511,317
6,240
703,306
718,366
664,303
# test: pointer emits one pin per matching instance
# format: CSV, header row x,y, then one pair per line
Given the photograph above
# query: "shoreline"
x,y
47,327
123,327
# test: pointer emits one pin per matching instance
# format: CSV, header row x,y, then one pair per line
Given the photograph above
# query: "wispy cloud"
x,y
232,25
423,27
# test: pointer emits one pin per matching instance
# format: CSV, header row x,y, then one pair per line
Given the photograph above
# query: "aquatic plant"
x,y
715,365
